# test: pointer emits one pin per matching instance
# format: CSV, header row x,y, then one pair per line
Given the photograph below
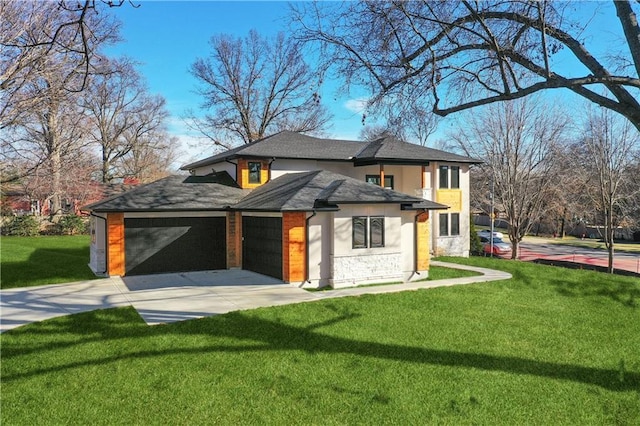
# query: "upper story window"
x,y
444,177
375,179
449,177
455,177
255,168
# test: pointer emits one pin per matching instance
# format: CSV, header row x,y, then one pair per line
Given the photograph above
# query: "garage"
x,y
262,245
174,244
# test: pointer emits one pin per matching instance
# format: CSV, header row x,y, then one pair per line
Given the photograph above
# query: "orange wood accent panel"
x,y
234,239
243,173
294,243
422,242
115,243
382,175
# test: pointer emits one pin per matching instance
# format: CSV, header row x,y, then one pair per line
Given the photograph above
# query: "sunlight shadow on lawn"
x,y
265,335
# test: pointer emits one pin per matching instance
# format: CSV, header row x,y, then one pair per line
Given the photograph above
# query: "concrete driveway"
x,y
166,298
159,299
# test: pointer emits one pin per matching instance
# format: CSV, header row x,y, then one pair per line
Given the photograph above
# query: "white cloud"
x,y
356,105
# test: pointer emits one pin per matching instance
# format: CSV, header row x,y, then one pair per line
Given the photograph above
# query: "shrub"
x,y
474,240
22,226
71,225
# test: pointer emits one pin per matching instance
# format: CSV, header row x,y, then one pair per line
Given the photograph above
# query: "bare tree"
x,y
457,55
152,159
122,114
256,86
518,141
607,155
47,37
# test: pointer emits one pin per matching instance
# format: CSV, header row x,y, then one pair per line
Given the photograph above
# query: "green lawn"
x,y
29,261
550,346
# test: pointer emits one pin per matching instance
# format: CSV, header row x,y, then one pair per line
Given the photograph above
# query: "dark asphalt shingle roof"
x,y
393,149
175,193
292,145
319,189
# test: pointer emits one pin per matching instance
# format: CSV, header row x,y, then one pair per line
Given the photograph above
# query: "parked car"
x,y
499,247
486,233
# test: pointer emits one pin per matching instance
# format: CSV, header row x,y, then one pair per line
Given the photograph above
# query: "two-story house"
x,y
310,211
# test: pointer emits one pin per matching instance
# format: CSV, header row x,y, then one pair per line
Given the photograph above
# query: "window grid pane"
x,y
444,177
444,224
455,223
377,231
359,225
455,177
254,172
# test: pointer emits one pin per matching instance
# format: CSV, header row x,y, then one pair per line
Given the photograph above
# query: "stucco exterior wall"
x,y
320,249
98,246
218,167
356,266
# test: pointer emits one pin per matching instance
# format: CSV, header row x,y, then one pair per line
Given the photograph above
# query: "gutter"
x,y
306,246
106,235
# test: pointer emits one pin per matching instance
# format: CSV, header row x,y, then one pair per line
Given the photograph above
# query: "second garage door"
x,y
262,245
157,245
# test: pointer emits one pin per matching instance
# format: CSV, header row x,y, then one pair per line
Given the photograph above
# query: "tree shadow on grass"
x,y
258,335
48,266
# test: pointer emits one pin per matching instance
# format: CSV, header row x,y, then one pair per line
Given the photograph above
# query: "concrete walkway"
x,y
167,298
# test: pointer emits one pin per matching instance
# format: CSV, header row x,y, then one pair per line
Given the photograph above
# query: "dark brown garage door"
x,y
262,245
157,245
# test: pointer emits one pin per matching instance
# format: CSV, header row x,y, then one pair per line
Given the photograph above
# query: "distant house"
x,y
310,211
19,201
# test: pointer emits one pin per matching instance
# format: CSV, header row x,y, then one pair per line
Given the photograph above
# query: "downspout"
x,y
106,236
269,170
415,242
306,246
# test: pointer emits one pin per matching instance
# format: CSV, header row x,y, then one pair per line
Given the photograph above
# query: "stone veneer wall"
x,y
349,271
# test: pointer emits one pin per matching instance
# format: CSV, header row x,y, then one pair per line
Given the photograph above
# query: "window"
x,y
359,225
367,231
455,177
444,224
375,179
444,177
376,231
449,224
455,223
254,171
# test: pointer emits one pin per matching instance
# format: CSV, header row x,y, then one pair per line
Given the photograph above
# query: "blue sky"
x,y
166,37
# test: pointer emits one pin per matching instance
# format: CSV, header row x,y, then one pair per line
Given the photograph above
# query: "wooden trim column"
x,y
422,241
234,240
115,244
382,175
294,243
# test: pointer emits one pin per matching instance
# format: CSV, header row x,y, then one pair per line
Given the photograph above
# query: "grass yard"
x,y
550,346
30,261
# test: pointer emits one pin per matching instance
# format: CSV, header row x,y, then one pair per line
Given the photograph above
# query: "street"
x,y
542,249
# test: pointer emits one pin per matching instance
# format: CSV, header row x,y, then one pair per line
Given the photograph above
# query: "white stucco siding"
x,y
98,246
281,167
320,249
223,166
355,266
